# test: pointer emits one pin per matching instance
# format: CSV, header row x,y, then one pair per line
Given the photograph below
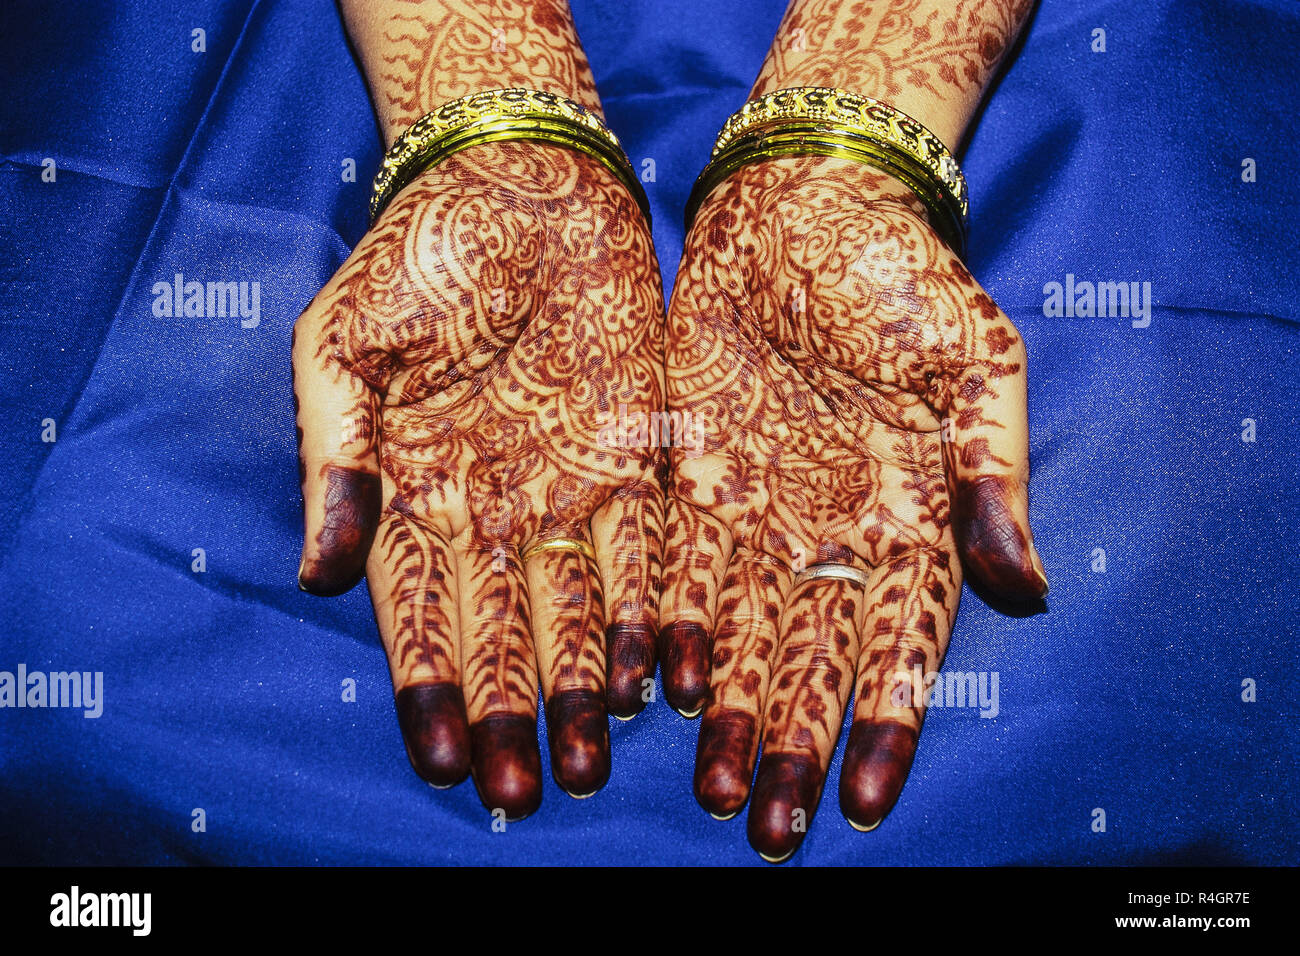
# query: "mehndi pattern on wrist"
x,y
825,121
495,116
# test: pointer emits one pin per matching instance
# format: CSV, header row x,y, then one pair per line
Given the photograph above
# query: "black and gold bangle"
x,y
496,116
822,121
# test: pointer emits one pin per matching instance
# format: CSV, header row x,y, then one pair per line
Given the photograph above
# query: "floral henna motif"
x,y
865,407
463,360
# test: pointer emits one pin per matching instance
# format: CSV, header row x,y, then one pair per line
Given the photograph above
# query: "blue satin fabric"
x,y
222,688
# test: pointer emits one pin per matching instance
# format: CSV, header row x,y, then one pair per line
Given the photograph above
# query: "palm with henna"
x,y
865,406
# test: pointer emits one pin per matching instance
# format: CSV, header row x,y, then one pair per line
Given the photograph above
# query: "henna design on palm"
x,y
866,407
452,380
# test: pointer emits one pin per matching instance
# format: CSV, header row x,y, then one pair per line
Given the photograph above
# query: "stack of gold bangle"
x,y
493,116
822,121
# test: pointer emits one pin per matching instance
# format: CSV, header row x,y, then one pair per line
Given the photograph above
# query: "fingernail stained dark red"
x,y
685,649
724,761
785,783
630,653
877,759
507,764
432,720
351,516
995,549
578,736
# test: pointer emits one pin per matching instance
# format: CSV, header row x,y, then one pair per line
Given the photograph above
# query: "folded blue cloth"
x,y
221,690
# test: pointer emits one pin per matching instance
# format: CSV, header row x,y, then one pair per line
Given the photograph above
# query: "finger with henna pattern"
x,y
910,610
337,467
810,688
744,650
499,676
568,633
986,454
696,551
627,532
412,577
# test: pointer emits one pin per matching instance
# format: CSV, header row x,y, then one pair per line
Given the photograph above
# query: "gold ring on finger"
x,y
560,544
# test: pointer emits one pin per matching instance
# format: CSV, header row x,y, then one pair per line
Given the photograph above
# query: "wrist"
x,y
947,116
833,123
395,121
500,116
417,57
932,61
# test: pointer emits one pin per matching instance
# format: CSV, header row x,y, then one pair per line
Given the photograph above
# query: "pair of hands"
x,y
487,371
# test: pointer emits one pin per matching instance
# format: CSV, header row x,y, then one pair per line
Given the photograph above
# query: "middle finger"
x,y
805,706
568,632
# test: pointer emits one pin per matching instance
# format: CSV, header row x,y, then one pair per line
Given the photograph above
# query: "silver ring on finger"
x,y
841,572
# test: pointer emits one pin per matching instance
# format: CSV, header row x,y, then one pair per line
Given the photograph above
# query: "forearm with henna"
x,y
932,59
419,54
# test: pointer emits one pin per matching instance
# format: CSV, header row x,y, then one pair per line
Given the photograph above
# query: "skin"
x,y
865,406
455,381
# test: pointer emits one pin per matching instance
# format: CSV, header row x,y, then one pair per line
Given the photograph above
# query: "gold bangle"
x,y
495,116
823,121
